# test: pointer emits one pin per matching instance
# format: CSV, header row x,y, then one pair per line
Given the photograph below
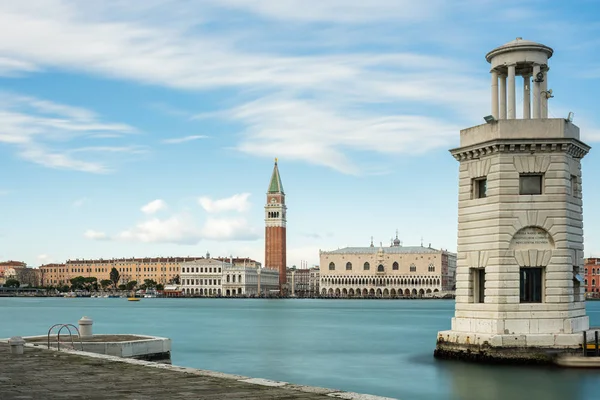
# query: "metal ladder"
x,y
62,326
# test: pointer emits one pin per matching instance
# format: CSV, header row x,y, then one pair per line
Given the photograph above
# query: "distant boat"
x,y
133,299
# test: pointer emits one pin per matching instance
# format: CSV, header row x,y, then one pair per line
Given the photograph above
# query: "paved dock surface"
x,y
52,375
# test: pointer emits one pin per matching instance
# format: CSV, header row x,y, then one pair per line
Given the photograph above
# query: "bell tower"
x,y
275,228
519,292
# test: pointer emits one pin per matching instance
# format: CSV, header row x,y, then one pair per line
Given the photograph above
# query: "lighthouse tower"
x,y
519,294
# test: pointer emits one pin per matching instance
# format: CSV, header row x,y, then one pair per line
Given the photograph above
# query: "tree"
x,y
150,283
114,276
105,283
11,282
77,283
160,286
122,287
175,280
131,285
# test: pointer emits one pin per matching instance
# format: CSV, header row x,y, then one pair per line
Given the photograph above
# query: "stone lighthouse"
x,y
519,296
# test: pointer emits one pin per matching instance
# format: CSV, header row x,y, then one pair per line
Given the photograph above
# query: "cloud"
x,y
95,235
184,139
42,131
237,202
277,127
228,229
342,97
154,206
181,229
176,229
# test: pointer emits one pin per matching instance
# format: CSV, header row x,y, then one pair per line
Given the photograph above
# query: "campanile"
x,y
275,233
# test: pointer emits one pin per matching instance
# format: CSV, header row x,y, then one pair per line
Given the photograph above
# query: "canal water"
x,y
367,346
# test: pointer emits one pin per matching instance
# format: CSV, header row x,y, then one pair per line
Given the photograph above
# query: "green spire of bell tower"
x,y
275,186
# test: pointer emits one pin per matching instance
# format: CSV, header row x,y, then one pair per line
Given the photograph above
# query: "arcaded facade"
x,y
395,271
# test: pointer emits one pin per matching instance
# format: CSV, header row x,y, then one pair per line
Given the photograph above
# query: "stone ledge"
x,y
307,390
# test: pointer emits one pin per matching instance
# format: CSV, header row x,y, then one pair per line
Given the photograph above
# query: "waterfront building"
x,y
21,272
275,228
519,292
248,281
160,269
393,271
216,277
592,276
202,277
303,282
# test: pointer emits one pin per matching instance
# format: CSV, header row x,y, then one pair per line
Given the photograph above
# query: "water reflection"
x,y
486,382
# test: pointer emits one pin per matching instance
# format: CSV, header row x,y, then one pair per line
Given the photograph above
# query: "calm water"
x,y
377,347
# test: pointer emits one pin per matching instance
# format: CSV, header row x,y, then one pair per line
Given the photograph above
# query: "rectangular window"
x,y
573,185
531,285
530,184
479,188
479,285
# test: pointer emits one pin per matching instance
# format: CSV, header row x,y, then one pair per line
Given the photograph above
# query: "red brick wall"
x,y
275,251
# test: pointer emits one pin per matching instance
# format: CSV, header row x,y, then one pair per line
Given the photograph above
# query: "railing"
x,y
591,349
62,326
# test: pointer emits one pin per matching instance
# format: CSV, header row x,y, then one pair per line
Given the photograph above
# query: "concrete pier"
x,y
50,374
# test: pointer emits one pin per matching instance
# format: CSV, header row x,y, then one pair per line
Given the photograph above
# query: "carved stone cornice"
x,y
573,147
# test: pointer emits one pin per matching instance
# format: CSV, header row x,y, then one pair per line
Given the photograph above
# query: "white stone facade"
x,y
246,281
212,277
520,221
202,277
395,271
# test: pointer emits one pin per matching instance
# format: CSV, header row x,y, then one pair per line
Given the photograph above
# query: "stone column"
x,y
544,97
536,93
495,94
526,97
502,96
258,274
512,103
17,345
293,282
85,327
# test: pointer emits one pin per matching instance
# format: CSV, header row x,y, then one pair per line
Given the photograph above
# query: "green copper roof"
x,y
275,186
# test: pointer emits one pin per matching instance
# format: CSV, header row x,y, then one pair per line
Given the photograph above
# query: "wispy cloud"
x,y
376,99
42,131
184,139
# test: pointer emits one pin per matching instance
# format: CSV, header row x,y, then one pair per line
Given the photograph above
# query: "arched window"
x,y
348,266
367,266
413,268
228,278
431,268
380,268
331,266
593,282
395,266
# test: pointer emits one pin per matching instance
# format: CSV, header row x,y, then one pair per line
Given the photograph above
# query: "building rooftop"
x,y
386,250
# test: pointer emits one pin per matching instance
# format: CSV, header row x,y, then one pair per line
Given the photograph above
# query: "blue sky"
x,y
149,128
